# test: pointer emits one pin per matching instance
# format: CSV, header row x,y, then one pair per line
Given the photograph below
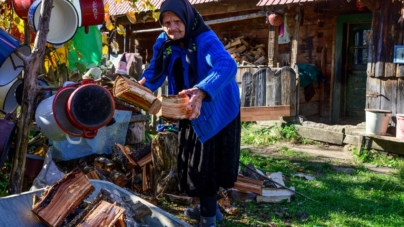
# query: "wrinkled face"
x,y
173,25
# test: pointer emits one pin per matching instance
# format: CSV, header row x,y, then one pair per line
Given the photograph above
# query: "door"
x,y
355,71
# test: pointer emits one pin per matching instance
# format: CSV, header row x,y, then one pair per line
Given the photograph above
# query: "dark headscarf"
x,y
194,25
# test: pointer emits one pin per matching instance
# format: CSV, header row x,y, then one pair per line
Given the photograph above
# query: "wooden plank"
x,y
308,108
320,134
247,88
250,180
289,89
242,69
265,113
388,101
260,83
400,96
273,45
273,88
373,86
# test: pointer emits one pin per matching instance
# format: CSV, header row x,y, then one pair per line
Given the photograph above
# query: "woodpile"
x,y
63,204
246,52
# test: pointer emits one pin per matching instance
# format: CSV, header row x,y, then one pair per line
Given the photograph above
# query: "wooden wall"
x,y
385,82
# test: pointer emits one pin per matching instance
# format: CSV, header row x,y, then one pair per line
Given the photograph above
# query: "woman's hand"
x,y
142,81
195,103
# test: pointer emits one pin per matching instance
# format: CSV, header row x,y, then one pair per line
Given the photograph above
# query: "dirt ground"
x,y
339,156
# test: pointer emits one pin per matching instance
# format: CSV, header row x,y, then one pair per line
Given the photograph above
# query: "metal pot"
x,y
90,107
50,117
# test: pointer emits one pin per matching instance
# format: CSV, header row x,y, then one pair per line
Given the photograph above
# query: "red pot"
x,y
21,7
275,19
90,107
91,12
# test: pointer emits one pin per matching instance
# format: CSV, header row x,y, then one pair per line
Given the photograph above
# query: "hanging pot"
x,y
90,107
7,129
10,64
8,100
50,117
275,19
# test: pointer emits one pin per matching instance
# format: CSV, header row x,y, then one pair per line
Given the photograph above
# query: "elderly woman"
x,y
190,55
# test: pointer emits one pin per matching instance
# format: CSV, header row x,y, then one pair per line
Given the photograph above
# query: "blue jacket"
x,y
216,72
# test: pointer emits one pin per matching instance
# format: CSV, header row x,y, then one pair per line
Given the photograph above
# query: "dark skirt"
x,y
203,168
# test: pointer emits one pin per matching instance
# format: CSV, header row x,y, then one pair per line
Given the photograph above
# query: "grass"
x,y
355,198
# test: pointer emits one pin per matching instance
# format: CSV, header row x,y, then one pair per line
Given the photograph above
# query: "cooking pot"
x,y
90,107
21,7
91,12
7,129
275,19
8,100
51,118
63,23
10,64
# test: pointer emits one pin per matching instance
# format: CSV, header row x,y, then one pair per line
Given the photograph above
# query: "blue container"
x,y
10,64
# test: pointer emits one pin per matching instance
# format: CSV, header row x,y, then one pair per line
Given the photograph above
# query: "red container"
x,y
91,13
90,107
275,19
21,7
33,165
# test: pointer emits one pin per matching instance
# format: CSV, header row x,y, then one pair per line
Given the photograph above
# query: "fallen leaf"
x,y
131,17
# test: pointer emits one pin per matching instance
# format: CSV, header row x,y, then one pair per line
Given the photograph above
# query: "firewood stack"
x,y
245,52
63,204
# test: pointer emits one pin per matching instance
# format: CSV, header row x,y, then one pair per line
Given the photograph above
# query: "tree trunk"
x,y
32,64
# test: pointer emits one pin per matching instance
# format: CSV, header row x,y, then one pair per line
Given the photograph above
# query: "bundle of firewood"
x,y
245,52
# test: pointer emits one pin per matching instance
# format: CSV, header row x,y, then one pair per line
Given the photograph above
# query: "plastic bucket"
x,y
400,126
377,121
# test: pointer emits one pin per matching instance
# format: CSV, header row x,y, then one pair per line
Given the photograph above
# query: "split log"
x,y
232,50
140,152
104,163
134,210
178,199
121,155
250,180
113,176
136,94
260,61
173,106
147,179
93,175
245,43
104,214
164,151
243,186
241,49
62,198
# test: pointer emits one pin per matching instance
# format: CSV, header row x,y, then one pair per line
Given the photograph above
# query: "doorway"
x,y
354,75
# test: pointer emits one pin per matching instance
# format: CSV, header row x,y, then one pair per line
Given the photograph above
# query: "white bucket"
x,y
377,121
8,100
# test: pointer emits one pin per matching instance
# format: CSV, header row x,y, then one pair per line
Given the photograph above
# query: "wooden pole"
x,y
295,38
32,64
273,46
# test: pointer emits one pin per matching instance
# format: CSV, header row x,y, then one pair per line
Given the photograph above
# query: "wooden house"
x,y
354,44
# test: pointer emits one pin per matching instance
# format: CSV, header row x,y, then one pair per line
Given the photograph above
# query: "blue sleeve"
x,y
222,66
149,72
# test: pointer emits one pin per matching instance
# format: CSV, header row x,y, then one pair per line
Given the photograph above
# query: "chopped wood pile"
x,y
63,204
245,51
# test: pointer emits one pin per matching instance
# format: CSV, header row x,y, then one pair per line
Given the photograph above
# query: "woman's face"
x,y
173,25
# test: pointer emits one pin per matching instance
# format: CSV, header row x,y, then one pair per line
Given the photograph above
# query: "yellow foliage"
x,y
115,46
131,17
117,1
105,50
121,30
109,25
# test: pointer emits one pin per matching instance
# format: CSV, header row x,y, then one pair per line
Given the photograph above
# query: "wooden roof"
x,y
280,2
125,6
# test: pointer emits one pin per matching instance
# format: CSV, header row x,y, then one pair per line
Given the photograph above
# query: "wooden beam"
x,y
211,22
273,46
264,113
295,37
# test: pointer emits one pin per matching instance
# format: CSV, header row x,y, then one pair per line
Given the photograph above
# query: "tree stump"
x,y
165,152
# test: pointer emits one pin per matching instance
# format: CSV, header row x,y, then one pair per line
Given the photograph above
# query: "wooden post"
x,y
322,85
273,46
31,89
295,38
